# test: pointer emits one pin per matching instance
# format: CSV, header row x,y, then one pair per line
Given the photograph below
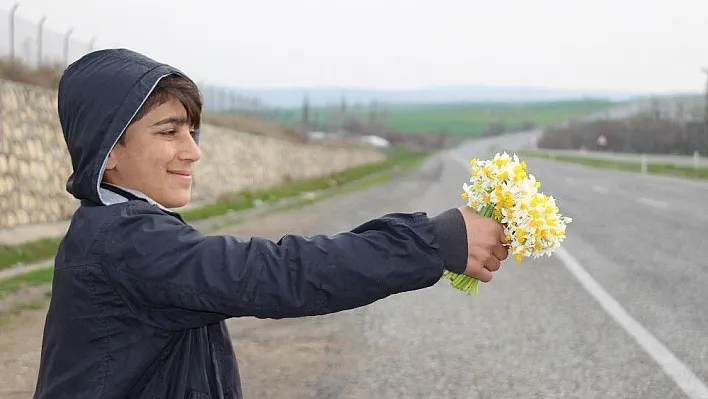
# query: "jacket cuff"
x,y
451,233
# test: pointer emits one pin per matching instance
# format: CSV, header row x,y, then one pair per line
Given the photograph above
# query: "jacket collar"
x,y
113,194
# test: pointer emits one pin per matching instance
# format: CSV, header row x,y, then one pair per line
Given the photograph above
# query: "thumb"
x,y
502,234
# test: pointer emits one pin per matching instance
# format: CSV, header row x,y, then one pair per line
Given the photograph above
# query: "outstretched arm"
x,y
176,277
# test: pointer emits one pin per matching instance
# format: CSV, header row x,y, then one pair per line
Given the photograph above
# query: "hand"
x,y
485,245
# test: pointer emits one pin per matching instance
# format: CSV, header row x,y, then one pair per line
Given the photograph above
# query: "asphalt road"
x,y
643,240
620,312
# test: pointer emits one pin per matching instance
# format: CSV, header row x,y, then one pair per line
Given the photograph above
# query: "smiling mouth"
x,y
183,175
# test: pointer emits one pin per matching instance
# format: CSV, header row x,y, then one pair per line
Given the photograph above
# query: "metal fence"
x,y
31,43
28,41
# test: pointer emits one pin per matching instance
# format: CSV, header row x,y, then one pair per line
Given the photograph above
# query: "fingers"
x,y
492,264
500,252
484,275
486,245
482,267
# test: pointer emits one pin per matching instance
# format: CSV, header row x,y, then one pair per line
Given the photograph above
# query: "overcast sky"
x,y
639,45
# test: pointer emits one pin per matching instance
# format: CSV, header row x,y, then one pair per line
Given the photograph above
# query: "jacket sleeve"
x,y
174,277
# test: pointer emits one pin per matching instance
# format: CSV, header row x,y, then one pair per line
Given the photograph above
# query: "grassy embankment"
x,y
688,171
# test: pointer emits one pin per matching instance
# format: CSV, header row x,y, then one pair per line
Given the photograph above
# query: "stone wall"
x,y
34,163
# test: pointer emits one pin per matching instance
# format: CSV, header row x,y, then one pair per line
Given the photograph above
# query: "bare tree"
x,y
305,114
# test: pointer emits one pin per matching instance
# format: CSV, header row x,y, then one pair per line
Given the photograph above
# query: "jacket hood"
x,y
98,97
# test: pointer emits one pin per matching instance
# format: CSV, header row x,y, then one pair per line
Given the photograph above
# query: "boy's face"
x,y
157,156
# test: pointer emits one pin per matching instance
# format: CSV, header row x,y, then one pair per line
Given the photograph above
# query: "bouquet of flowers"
x,y
501,189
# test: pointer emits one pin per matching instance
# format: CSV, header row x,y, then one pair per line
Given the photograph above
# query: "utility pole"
x,y
655,109
342,114
382,117
705,114
373,122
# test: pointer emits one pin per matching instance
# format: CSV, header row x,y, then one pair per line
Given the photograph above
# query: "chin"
x,y
176,205
178,200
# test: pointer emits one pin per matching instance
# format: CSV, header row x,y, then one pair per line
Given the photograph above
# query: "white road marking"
x,y
652,202
599,189
684,378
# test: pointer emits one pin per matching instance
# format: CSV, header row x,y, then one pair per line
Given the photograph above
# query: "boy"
x,y
140,298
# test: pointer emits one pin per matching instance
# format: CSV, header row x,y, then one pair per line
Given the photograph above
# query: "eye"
x,y
171,132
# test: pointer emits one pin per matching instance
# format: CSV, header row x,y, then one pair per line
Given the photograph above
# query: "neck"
x,y
115,194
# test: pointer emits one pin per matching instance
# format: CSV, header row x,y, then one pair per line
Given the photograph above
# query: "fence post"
x,y
40,35
696,159
644,163
67,37
12,31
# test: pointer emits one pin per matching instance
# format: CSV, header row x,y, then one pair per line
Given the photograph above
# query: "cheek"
x,y
142,166
156,158
165,157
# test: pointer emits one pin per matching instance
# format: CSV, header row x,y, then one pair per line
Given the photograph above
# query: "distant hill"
x,y
319,96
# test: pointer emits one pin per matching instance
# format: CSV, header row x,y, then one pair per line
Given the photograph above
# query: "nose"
x,y
189,150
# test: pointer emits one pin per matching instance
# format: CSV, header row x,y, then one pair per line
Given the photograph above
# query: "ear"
x,y
112,161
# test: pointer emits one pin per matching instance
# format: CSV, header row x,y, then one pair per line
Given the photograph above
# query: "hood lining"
x,y
102,170
113,197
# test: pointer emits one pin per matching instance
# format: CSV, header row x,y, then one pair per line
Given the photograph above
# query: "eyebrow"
x,y
178,120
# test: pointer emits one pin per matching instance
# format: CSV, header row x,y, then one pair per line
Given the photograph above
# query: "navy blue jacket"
x,y
140,297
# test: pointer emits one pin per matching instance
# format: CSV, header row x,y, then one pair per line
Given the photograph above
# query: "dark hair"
x,y
179,88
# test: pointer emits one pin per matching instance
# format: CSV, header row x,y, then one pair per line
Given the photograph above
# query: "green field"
x,y
463,119
471,119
